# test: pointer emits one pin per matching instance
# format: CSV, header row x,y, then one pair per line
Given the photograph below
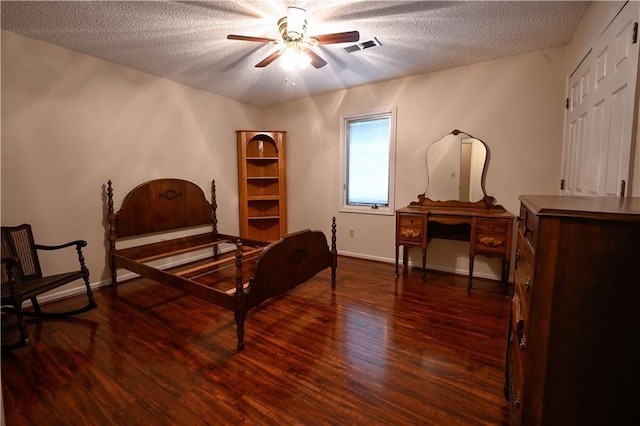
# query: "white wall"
x,y
71,122
513,104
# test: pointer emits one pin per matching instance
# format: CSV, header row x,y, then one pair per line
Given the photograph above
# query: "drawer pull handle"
x,y
410,233
516,400
523,343
491,242
527,284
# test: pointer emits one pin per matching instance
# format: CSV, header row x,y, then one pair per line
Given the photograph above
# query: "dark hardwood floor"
x,y
375,351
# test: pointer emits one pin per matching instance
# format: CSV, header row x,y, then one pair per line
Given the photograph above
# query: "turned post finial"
x,y
111,230
239,283
214,208
334,253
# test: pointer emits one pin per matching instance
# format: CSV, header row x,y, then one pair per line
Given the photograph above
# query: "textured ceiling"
x,y
186,41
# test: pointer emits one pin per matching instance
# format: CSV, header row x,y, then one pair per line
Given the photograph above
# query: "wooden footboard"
x,y
282,266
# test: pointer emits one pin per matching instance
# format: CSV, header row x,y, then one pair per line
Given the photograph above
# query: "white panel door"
x,y
576,143
600,117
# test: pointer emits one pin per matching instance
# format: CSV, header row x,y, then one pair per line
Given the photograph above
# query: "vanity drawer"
x,y
410,234
491,244
498,226
411,220
491,236
410,228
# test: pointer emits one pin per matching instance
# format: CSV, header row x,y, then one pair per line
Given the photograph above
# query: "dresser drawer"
x,y
525,306
528,227
519,326
516,377
524,278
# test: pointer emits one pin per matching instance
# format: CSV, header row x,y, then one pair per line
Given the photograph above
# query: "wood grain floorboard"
x,y
376,351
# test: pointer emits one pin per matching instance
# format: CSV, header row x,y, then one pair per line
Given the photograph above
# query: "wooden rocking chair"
x,y
22,278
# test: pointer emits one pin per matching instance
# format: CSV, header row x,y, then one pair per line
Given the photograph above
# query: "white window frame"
x,y
344,141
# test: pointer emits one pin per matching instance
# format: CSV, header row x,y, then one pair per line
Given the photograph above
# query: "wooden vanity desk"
x,y
456,167
489,232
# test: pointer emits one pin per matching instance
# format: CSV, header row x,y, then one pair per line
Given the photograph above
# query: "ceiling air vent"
x,y
361,46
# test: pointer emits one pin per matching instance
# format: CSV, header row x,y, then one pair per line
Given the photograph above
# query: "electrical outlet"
x,y
352,233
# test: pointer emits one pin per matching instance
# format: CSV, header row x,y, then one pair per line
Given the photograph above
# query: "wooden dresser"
x,y
572,357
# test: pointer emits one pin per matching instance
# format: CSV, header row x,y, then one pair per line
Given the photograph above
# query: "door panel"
x,y
597,162
577,130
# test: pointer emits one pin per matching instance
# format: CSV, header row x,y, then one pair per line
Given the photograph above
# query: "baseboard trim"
x,y
127,276
419,267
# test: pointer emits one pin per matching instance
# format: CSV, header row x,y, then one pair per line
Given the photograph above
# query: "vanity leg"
x,y
505,275
424,265
470,273
397,252
405,258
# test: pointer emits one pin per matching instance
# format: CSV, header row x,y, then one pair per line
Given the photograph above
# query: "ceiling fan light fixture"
x,y
294,45
294,58
293,26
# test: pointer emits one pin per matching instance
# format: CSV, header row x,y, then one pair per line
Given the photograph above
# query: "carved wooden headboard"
x,y
161,205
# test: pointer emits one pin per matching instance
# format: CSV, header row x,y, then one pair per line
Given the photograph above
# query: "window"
x,y
368,163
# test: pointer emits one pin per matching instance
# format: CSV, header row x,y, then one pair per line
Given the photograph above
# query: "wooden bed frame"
x,y
237,274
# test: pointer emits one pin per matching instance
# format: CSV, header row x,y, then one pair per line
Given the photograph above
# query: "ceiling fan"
x,y
295,46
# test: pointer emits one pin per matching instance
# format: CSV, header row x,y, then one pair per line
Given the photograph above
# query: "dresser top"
x,y
609,208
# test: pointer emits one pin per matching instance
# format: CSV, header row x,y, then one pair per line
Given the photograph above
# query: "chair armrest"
x,y
8,275
10,261
78,243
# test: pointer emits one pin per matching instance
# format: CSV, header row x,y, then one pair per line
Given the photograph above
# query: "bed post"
x,y
334,253
111,218
240,298
214,215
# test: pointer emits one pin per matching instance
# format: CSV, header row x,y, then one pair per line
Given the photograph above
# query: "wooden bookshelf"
x,y
262,184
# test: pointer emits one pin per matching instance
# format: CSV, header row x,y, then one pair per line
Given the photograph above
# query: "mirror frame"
x,y
487,202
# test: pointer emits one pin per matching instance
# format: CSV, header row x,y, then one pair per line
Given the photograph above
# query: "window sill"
x,y
384,211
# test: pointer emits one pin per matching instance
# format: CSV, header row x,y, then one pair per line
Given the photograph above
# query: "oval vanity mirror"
x,y
455,168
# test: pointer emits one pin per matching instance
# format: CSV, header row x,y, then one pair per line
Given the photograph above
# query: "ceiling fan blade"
x,y
316,60
249,38
349,36
266,61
